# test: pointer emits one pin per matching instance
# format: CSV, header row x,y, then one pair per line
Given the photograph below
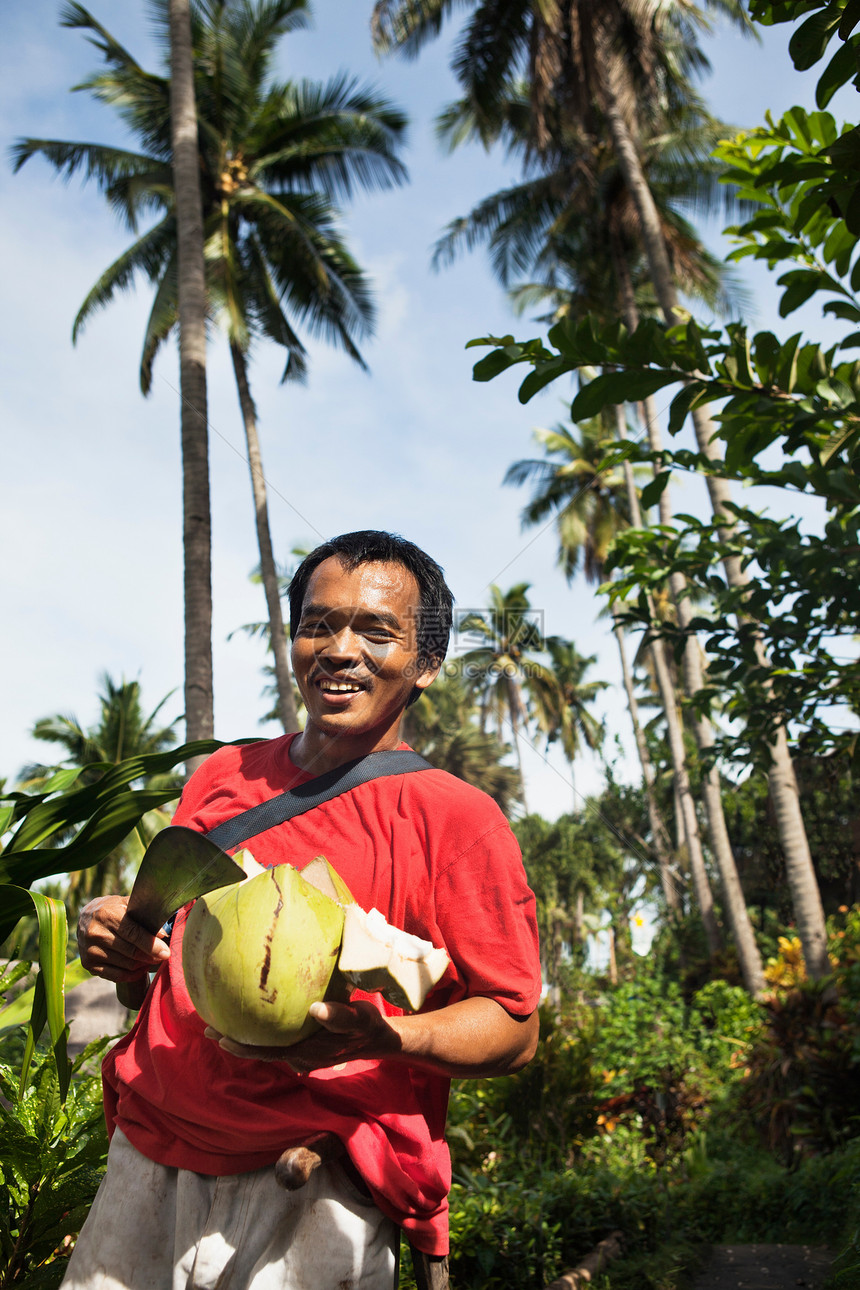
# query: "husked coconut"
x,y
375,956
258,953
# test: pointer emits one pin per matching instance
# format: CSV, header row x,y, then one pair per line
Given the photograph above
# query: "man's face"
x,y
355,653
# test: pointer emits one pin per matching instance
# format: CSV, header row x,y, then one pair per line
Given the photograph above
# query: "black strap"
x,y
295,801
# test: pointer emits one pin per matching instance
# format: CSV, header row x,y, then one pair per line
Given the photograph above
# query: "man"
x,y
197,1119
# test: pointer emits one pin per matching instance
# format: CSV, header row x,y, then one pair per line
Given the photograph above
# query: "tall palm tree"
x,y
273,157
617,71
191,310
502,667
590,507
624,65
562,699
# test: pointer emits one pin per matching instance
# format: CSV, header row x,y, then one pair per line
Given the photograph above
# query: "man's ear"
x,y
428,676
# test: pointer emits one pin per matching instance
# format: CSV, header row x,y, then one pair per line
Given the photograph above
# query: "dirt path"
x,y
765,1267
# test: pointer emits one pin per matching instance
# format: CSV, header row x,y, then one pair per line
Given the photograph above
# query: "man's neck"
x,y
316,752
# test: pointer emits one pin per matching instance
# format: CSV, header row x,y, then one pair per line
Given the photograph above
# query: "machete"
x,y
179,865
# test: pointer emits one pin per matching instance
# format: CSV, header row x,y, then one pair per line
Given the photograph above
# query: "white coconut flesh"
x,y
375,956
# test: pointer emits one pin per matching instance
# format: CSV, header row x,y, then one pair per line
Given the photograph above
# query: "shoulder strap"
x,y
296,801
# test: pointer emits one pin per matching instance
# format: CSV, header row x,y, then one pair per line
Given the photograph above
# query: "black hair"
x,y
436,602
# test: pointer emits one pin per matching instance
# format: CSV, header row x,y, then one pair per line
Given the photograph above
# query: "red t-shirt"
x,y
438,859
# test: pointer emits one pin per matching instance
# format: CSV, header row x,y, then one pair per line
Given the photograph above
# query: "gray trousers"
x,y
157,1228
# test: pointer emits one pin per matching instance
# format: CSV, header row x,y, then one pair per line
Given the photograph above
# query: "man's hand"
x,y
114,946
350,1032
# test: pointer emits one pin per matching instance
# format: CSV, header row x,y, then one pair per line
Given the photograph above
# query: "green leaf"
x,y
841,68
487,368
653,491
628,386
683,402
542,376
48,997
850,18
800,285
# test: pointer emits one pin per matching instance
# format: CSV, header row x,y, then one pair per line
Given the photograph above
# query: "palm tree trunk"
x,y
698,872
515,707
659,836
749,958
277,635
782,781
197,536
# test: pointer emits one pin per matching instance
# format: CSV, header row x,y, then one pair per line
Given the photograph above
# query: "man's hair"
x,y
436,603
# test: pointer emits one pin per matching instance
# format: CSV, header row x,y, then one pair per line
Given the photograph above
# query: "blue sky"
x,y
91,509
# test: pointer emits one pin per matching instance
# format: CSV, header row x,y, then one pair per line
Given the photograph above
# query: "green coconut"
x,y
257,954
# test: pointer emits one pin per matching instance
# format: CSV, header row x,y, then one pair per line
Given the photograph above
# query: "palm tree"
x,y
562,698
123,730
503,667
625,66
191,311
442,726
619,72
273,158
590,507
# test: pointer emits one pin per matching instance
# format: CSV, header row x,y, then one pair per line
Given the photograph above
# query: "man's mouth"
x,y
329,686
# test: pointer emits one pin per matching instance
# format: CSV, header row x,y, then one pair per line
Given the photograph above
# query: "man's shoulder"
x,y
448,796
250,761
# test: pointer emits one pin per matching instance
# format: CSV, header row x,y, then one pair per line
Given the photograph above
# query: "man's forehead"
x,y
377,586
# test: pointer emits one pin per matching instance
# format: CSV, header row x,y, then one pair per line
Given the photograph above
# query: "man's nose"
x,y
340,644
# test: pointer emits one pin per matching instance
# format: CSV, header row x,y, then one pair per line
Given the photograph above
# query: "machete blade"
x,y
179,865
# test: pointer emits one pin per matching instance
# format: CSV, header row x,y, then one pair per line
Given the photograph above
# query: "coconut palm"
x,y
612,67
561,699
442,726
590,507
623,66
123,730
191,312
504,663
273,157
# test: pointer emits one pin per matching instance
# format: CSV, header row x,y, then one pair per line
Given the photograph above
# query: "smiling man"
x,y
197,1120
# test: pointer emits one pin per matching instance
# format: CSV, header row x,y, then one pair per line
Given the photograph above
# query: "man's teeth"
x,y
348,687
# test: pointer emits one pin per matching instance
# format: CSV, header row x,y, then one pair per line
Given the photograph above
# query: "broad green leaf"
x,y
487,368
543,375
53,935
683,402
60,812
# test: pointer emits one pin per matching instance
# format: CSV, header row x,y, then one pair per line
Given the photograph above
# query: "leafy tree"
x,y
274,158
625,67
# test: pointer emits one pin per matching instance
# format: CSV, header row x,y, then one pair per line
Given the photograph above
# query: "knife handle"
x,y
131,994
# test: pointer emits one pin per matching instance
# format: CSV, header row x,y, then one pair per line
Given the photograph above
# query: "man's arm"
x,y
469,1039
